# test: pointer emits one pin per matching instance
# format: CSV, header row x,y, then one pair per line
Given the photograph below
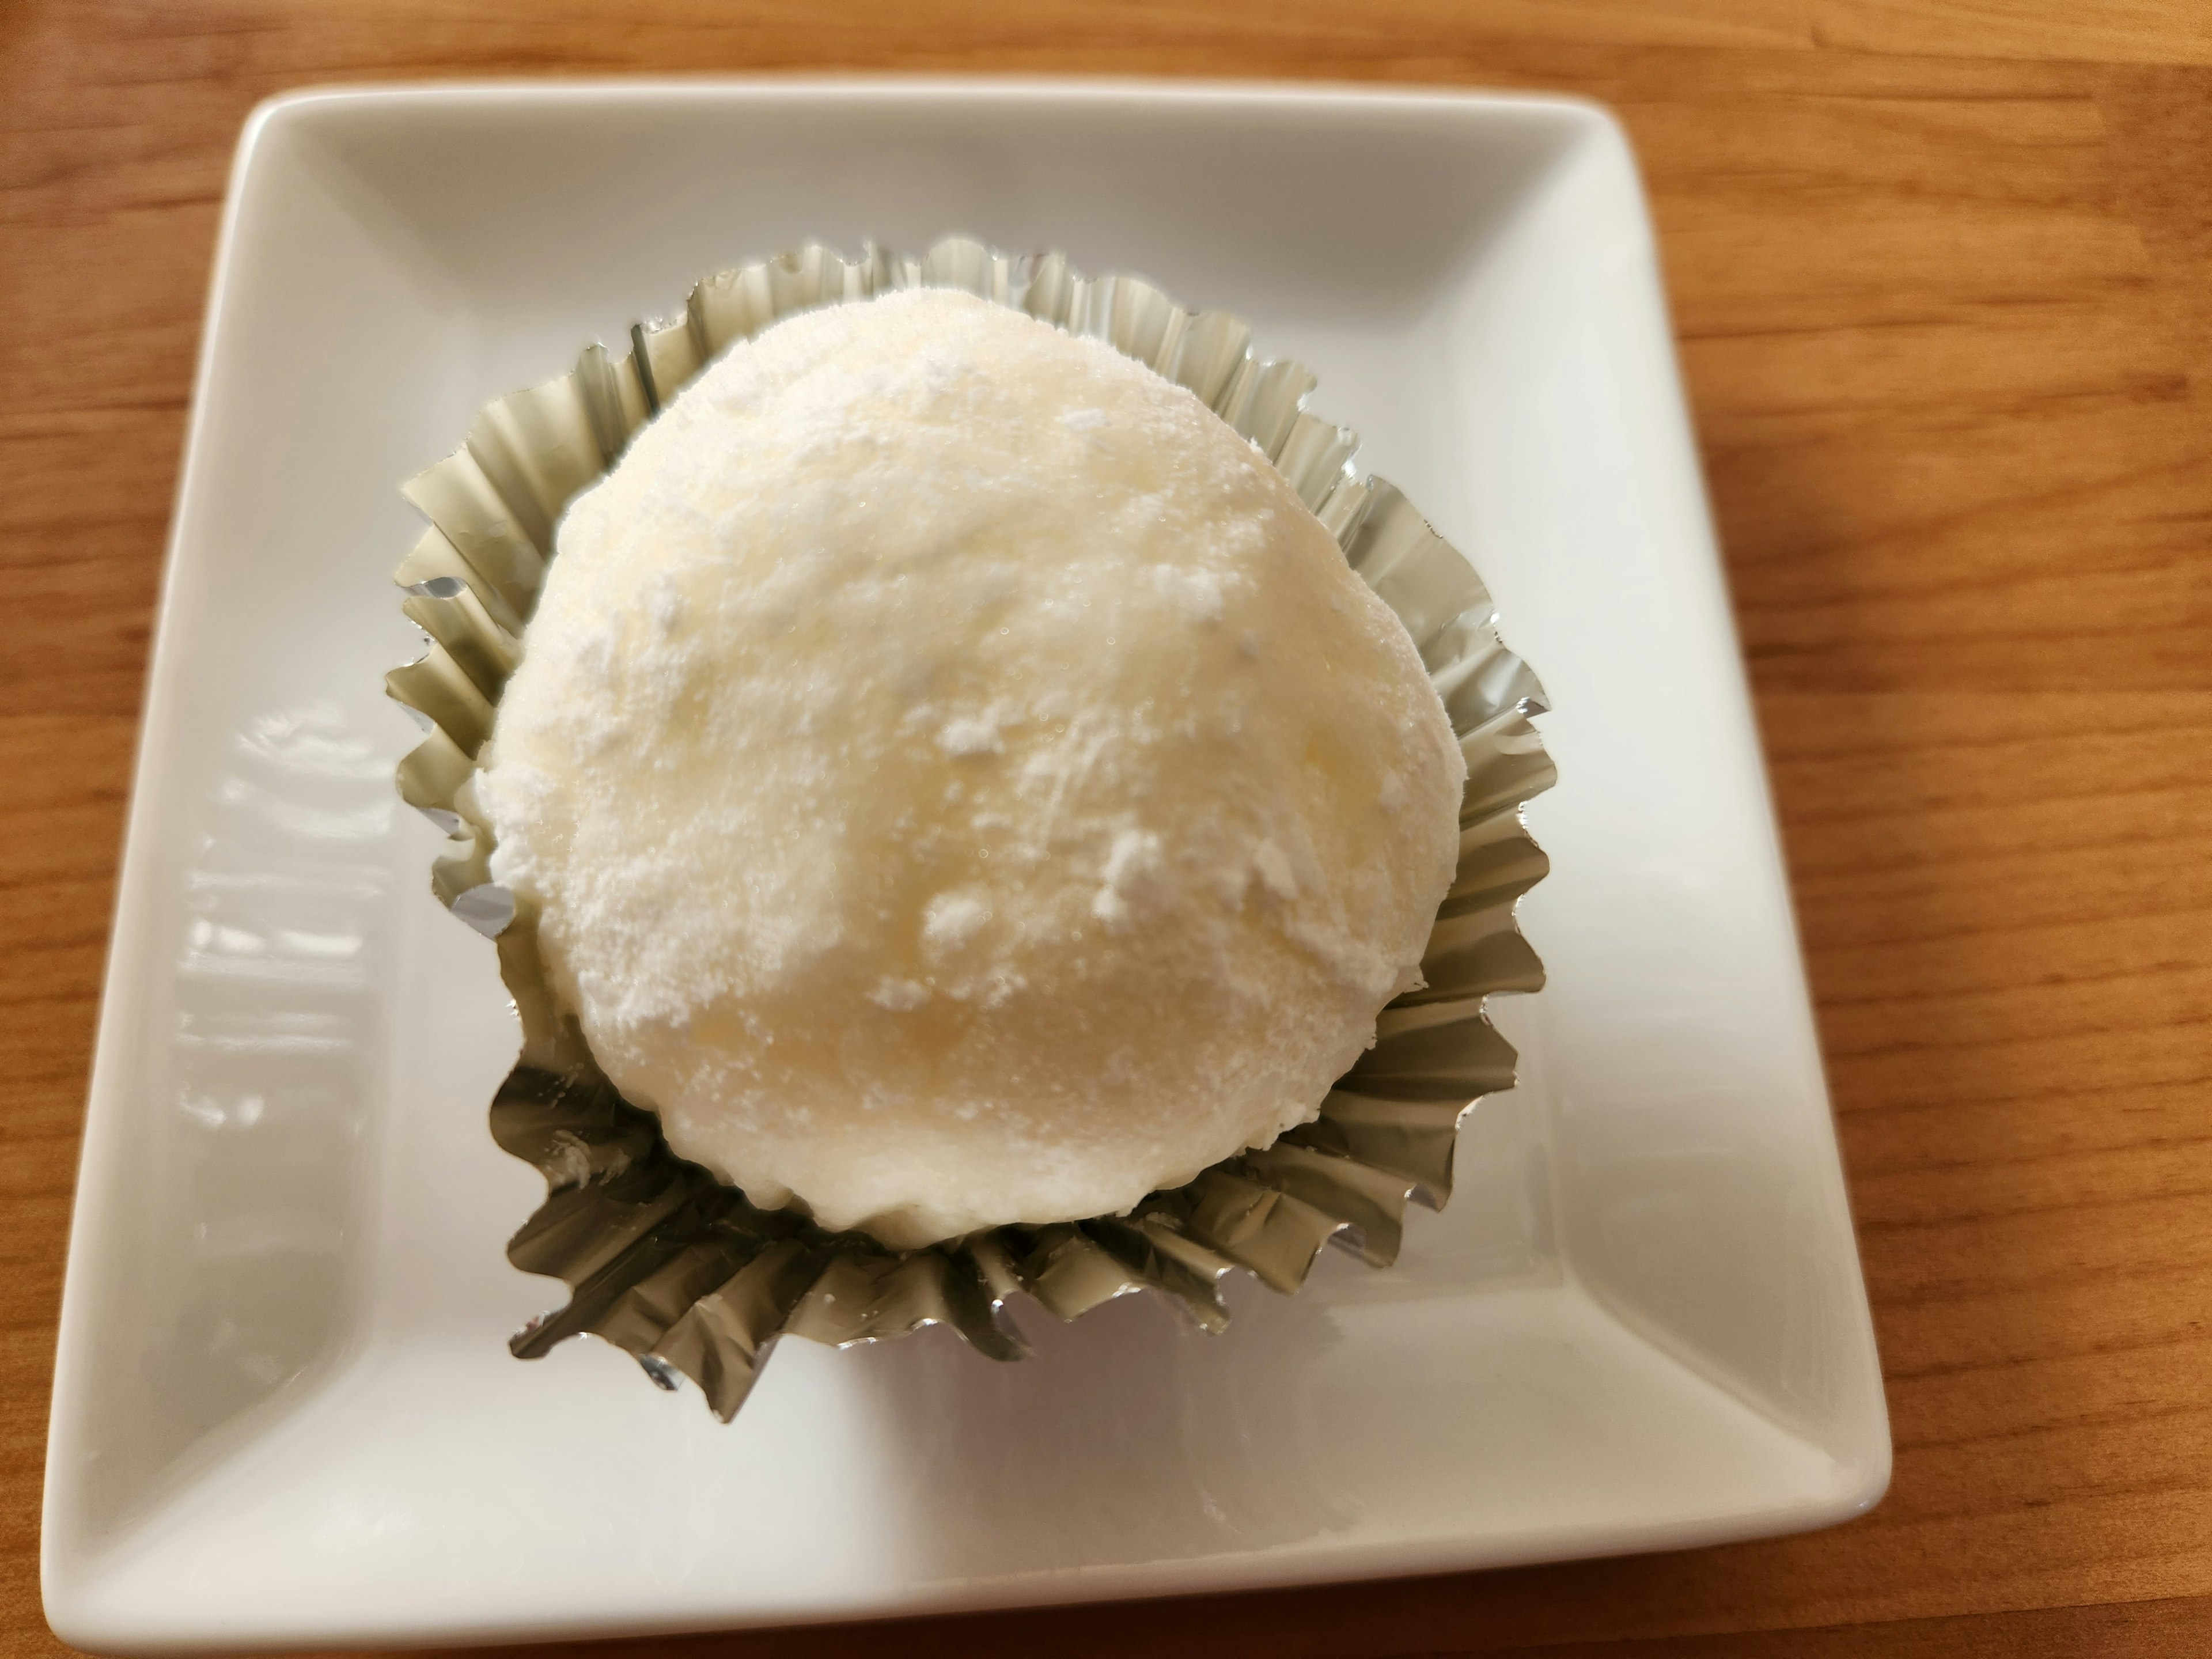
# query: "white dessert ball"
x,y
960,782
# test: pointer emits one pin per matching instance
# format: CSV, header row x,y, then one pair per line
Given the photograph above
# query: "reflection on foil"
x,y
247,1287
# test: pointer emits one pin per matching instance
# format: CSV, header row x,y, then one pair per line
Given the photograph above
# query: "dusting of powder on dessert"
x,y
960,782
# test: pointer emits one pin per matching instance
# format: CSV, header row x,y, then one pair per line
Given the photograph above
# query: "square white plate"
x,y
280,1416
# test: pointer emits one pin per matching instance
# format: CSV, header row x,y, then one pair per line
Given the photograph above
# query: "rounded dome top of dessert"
x,y
958,781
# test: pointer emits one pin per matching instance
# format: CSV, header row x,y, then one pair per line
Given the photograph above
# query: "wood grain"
x,y
1942,276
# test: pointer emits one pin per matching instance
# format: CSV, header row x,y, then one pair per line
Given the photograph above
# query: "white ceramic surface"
x,y
281,1416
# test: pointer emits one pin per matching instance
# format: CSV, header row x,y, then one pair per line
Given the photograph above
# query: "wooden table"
x,y
1943,275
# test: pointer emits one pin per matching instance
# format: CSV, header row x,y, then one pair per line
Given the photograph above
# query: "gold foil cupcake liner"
x,y
665,1262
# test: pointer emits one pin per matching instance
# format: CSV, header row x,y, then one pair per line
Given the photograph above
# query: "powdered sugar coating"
x,y
960,782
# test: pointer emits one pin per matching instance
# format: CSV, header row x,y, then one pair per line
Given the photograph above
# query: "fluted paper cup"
x,y
679,1269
